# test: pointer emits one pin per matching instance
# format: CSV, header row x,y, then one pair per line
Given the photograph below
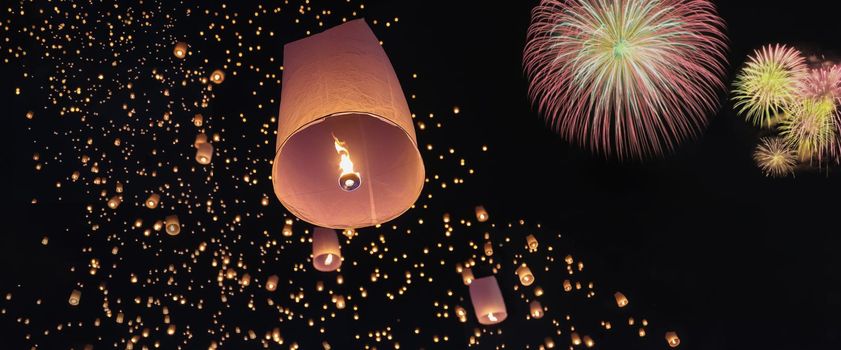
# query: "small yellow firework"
x,y
775,157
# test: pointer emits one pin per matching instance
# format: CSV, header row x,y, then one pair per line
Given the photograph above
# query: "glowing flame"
x,y
329,259
346,165
492,317
349,180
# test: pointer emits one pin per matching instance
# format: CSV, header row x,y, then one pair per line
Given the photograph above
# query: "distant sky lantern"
x,y
153,200
467,276
575,339
532,243
535,309
204,153
672,339
347,155
180,49
326,251
489,248
114,202
271,283
621,300
198,120
287,230
525,275
217,77
173,225
481,214
588,342
200,139
75,297
487,301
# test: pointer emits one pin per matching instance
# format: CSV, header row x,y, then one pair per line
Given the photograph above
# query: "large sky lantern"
x,y
487,301
326,251
347,155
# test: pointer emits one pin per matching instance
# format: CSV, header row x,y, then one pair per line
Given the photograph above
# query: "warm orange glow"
x,y
349,180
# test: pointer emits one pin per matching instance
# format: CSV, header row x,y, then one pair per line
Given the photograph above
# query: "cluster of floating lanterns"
x,y
346,165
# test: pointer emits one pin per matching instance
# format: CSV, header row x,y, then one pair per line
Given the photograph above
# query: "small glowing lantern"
x,y
173,226
549,342
153,200
198,120
489,248
567,286
536,309
326,251
467,276
114,202
575,338
271,283
180,49
287,230
531,241
75,297
525,275
588,342
217,77
672,339
200,139
621,300
245,280
347,155
204,153
481,214
487,301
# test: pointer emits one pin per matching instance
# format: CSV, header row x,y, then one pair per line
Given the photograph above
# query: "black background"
x,y
701,237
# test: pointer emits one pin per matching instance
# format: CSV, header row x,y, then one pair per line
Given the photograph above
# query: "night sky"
x,y
700,240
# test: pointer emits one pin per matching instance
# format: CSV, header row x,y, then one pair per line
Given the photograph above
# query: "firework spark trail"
x,y
769,81
630,77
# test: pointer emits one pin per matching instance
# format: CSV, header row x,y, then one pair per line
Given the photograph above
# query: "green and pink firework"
x,y
768,83
628,78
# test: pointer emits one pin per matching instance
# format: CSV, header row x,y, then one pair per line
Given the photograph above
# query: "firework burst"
x,y
775,157
812,124
631,78
768,82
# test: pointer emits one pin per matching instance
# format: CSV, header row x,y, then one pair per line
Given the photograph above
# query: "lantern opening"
x,y
305,172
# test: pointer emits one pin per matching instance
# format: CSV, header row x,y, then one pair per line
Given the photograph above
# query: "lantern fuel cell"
x,y
347,154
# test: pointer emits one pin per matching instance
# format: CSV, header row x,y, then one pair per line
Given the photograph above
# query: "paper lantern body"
x,y
525,275
75,297
672,339
326,252
341,84
173,225
536,309
487,301
153,200
621,299
204,153
271,283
